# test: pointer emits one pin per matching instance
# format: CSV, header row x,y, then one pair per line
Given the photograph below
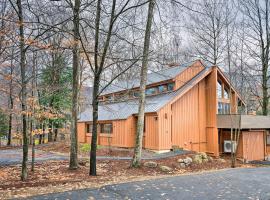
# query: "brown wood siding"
x,y
123,134
185,128
164,128
211,111
253,145
151,132
81,132
226,135
188,74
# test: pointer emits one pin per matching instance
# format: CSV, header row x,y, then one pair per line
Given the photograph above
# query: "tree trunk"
x,y
23,91
10,103
94,129
136,162
265,89
55,134
33,149
73,163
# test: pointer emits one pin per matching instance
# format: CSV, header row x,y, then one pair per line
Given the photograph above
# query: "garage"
x,y
254,135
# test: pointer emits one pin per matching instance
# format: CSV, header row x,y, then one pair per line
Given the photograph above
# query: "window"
x,y
136,94
106,128
226,94
224,108
170,86
220,108
151,91
109,97
219,89
162,88
89,128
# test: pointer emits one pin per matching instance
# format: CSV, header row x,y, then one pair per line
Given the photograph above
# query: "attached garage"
x,y
253,143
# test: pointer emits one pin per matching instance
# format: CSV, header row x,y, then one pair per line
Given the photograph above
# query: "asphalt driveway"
x,y
14,156
242,183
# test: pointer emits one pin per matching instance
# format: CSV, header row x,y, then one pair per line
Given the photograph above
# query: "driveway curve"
x,y
240,183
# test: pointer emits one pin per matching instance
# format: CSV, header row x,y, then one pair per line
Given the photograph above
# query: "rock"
x,y
203,155
182,165
150,164
165,168
180,160
198,159
189,160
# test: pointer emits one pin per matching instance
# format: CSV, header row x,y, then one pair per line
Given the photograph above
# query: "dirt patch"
x,y
54,176
64,147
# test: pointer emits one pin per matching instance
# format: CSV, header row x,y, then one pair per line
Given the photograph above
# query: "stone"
x,y
182,165
165,168
197,159
150,164
180,160
189,159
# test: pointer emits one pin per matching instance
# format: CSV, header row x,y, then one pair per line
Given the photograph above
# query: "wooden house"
x,y
182,107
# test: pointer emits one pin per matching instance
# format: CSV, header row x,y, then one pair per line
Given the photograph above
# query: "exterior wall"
x,y
123,134
188,74
189,119
226,135
211,111
164,128
81,132
151,132
251,144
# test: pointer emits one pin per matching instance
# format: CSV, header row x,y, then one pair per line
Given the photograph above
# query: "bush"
x,y
87,147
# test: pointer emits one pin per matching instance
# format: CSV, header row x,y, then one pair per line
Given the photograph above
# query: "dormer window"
x,y
151,91
162,88
170,86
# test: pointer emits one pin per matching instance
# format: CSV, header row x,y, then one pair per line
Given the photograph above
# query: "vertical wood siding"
x,y
211,112
151,132
188,119
226,135
81,132
164,128
188,74
253,145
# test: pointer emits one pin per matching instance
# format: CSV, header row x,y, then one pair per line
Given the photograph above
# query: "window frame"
x,y
106,124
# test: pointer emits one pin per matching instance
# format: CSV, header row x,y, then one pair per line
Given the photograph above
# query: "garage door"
x,y
253,145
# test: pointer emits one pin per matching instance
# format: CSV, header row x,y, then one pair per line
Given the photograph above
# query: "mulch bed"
x,y
54,176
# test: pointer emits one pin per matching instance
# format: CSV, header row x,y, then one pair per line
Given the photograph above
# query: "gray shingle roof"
x,y
154,77
124,109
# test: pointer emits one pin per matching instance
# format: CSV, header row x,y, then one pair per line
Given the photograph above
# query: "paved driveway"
x,y
249,183
14,156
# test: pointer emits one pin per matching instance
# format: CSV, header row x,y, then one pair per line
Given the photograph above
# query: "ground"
x,y
52,175
233,184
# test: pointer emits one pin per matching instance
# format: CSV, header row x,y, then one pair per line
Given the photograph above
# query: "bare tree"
x,y
73,163
140,123
256,15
